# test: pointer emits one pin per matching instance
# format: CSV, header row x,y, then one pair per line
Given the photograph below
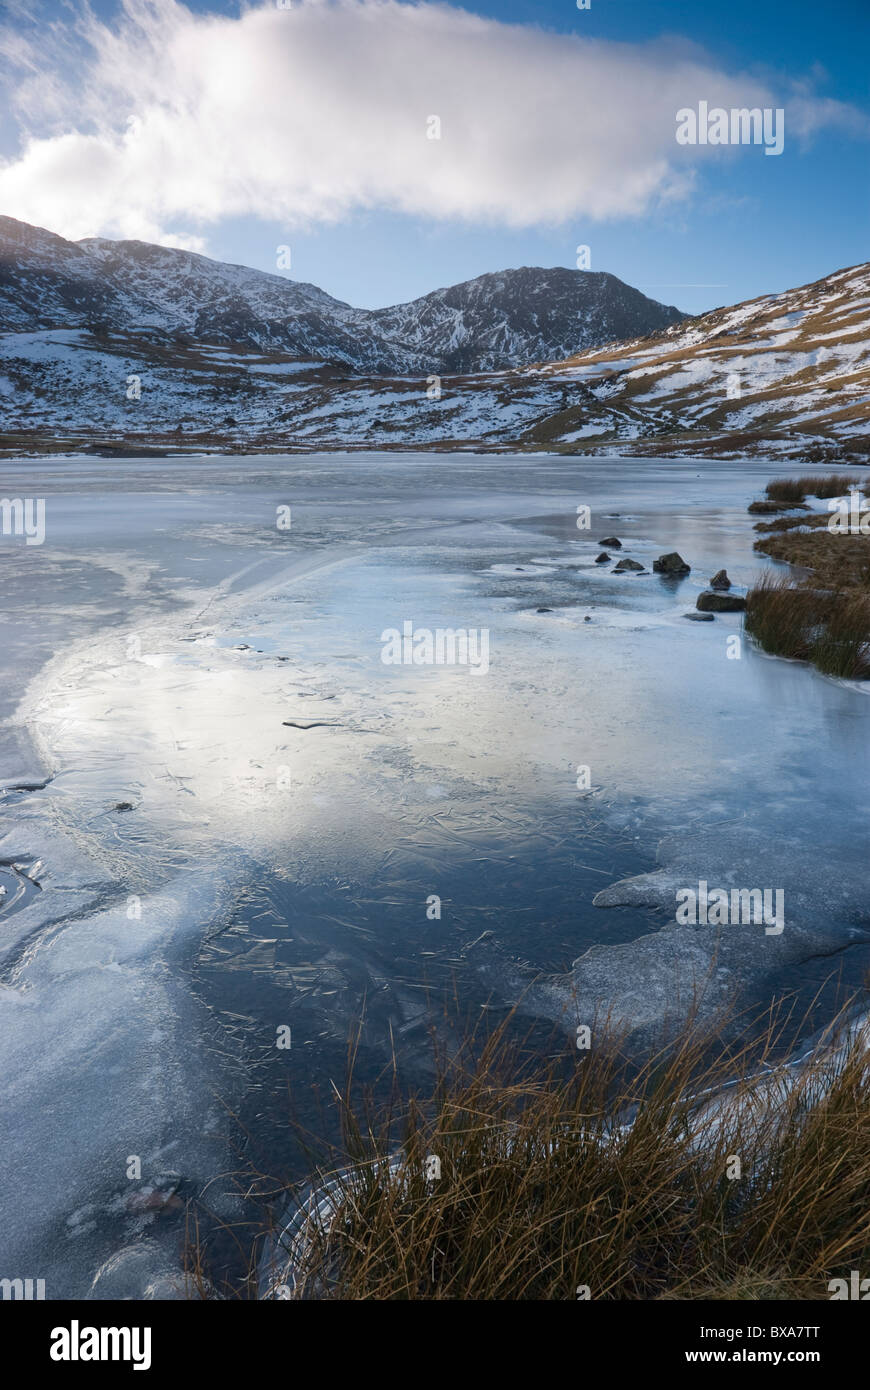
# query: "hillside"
x,y
786,373
509,319
515,317
125,346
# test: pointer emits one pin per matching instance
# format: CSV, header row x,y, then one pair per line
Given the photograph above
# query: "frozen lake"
x,y
226,819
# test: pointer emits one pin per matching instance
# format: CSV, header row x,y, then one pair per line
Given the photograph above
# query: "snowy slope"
x,y
125,345
791,369
217,303
521,316
70,387
507,320
46,282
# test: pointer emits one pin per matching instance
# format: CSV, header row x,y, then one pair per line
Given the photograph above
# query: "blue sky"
x,y
745,224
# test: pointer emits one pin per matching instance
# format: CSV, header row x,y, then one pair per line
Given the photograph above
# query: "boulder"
x,y
602,559
611,542
710,602
672,563
627,565
699,617
720,580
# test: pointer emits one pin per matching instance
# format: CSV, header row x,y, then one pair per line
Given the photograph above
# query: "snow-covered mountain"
x,y
47,282
122,346
510,319
785,374
515,317
209,302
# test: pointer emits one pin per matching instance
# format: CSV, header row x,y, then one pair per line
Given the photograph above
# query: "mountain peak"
x,y
501,319
519,316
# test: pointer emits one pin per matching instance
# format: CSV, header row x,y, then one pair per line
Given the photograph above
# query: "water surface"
x,y
224,816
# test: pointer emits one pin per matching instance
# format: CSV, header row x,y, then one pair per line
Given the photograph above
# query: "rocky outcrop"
x,y
713,602
672,563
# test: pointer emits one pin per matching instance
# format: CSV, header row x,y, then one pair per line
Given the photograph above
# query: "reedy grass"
x,y
594,1176
786,490
829,628
842,647
824,619
784,619
813,485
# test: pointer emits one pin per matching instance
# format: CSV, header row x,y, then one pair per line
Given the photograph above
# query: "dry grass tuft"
x,y
830,628
817,485
623,1184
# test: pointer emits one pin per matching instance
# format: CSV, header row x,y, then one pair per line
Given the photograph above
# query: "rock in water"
x,y
710,602
720,581
627,565
611,542
672,563
699,617
602,559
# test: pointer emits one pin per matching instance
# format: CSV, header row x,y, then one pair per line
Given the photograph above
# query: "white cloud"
x,y
306,114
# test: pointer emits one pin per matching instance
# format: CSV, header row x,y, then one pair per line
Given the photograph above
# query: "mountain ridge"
x,y
785,376
503,319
